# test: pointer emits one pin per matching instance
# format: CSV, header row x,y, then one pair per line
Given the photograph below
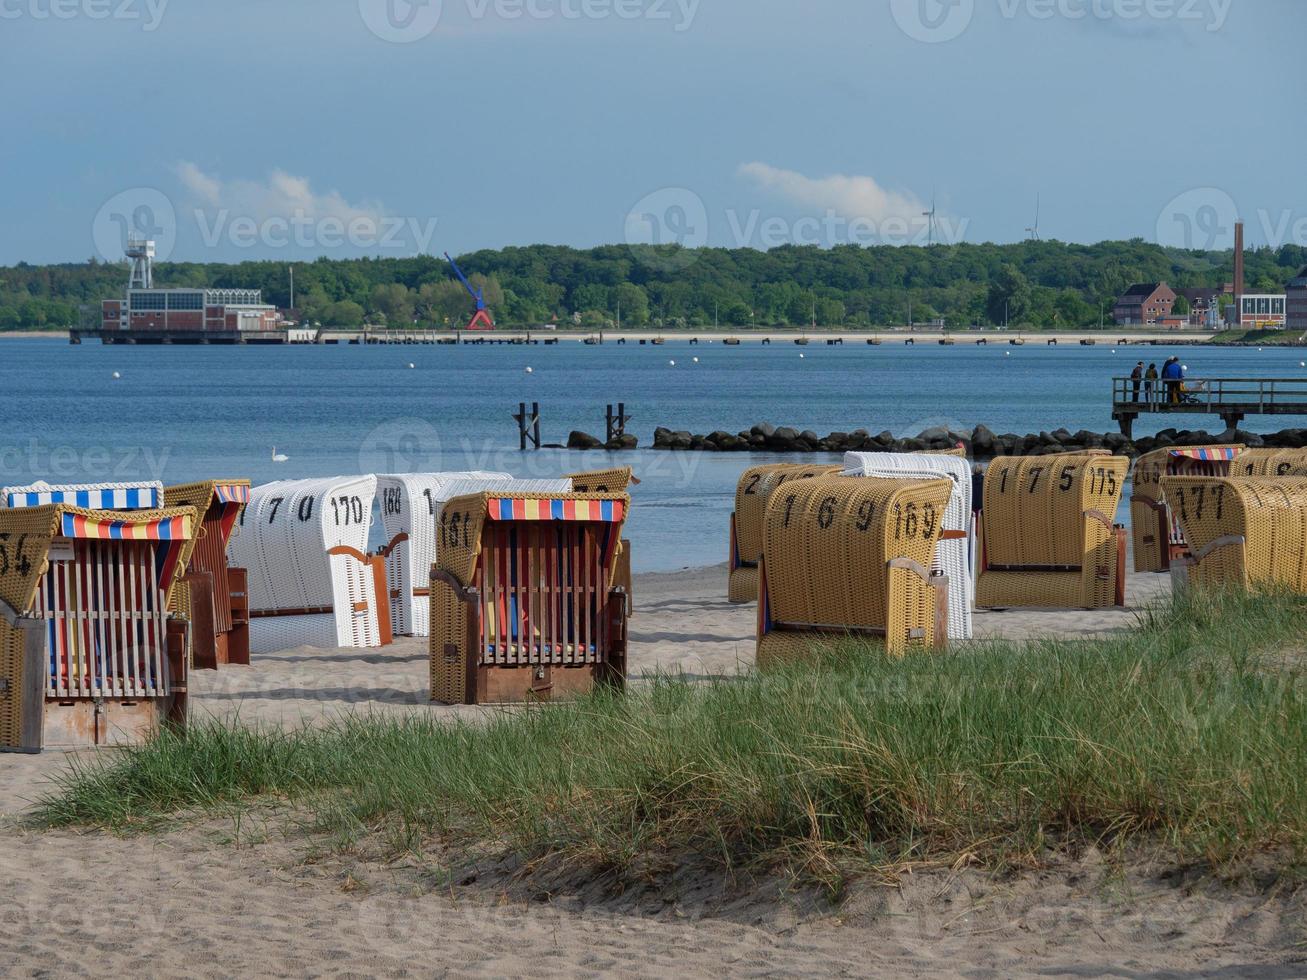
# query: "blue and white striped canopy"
x,y
92,496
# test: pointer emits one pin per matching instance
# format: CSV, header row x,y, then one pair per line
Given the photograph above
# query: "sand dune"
x,y
193,902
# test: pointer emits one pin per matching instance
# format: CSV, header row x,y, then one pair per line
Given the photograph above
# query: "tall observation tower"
x,y
141,252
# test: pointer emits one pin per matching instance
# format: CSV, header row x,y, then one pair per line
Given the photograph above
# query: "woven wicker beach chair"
x,y
410,512
312,581
1242,531
616,480
848,557
755,487
141,495
1157,536
89,654
955,553
214,596
1048,538
523,601
1270,462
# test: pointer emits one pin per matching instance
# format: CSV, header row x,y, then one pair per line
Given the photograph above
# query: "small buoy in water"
x,y
1007,353
802,356
696,360
530,370
116,375
672,363
411,365
1113,350
1259,350
1300,364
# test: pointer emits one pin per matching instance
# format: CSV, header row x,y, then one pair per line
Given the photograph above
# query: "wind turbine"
x,y
930,220
1034,232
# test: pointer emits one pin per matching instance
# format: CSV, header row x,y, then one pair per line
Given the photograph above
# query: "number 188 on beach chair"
x,y
524,605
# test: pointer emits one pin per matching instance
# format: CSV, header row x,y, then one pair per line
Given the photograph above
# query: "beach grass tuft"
x,y
1188,735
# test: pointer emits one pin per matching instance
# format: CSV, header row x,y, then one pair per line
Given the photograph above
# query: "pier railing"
x,y
1232,399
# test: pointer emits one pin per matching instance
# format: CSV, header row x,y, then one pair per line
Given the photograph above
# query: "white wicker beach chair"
x,y
141,495
955,553
410,513
311,580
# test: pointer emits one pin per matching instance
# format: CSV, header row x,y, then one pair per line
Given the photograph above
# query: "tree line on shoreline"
x,y
1032,284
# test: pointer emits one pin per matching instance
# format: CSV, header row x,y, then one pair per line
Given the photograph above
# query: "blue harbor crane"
x,y
481,320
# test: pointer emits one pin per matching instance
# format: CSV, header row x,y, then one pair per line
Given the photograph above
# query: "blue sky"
x,y
292,128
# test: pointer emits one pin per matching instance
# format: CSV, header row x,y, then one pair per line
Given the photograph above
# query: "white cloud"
x,y
850,197
282,195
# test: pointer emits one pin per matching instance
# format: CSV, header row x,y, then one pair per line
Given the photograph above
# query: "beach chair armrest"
x,y
463,594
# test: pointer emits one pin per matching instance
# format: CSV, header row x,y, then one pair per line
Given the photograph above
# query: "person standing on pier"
x,y
1136,379
1150,383
1173,376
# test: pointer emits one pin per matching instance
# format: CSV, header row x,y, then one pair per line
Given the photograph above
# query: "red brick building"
x,y
1144,304
1297,306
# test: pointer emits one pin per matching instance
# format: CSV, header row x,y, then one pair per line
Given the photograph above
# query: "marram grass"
x,y
1188,734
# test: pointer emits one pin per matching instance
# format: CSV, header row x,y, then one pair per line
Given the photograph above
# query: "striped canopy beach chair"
x,y
1049,539
214,595
845,557
523,601
1243,531
145,495
312,581
89,654
756,486
955,553
616,480
1157,536
410,512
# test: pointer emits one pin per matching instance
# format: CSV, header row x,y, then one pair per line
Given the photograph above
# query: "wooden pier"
x,y
1232,399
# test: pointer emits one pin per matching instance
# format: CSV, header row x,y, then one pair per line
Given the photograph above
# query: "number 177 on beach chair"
x,y
524,605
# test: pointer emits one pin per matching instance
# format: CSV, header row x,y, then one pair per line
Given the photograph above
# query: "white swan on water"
x,y
278,457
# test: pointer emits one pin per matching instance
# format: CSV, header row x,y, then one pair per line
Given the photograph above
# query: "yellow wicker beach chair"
x,y
1157,536
1049,540
851,556
213,596
89,654
524,605
616,480
1270,462
755,487
1243,531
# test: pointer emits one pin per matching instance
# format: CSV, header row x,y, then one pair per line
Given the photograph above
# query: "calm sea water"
x,y
180,413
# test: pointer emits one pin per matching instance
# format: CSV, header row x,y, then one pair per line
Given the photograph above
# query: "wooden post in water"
x,y
615,422
528,426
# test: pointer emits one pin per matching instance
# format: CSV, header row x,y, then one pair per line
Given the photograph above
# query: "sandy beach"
x,y
220,898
